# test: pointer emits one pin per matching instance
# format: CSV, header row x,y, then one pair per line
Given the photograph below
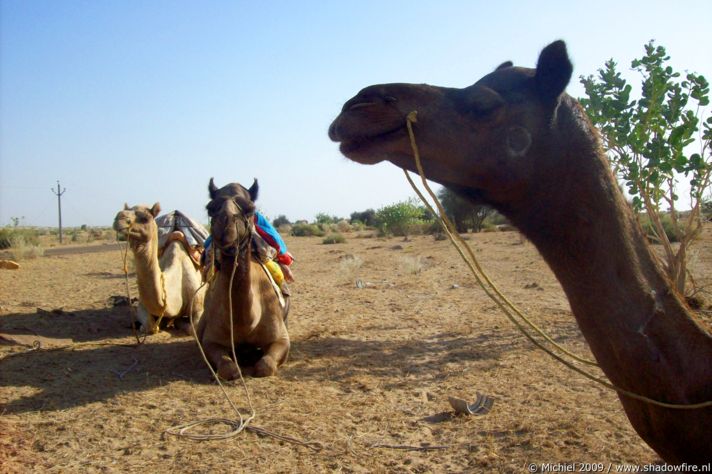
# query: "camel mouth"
x,y
122,229
369,148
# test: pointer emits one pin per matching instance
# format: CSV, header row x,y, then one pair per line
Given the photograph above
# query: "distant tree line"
x,y
400,219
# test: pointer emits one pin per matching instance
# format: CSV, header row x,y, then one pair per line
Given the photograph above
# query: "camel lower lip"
x,y
357,145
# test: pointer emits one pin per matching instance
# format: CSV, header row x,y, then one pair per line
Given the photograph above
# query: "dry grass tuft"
x,y
23,250
413,264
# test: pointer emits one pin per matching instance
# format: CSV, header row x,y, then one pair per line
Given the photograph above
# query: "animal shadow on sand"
x,y
394,361
80,360
78,326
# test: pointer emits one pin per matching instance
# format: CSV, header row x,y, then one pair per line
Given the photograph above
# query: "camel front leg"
x,y
274,356
197,308
219,358
146,319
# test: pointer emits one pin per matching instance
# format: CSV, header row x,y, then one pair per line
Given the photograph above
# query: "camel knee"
x,y
275,356
265,367
184,326
146,320
227,368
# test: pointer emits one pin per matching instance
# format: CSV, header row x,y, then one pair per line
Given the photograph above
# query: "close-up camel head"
x,y
483,141
137,223
231,209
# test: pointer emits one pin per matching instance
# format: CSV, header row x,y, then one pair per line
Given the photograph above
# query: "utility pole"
x,y
59,193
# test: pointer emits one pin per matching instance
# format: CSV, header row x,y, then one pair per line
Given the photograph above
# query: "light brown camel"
x,y
258,318
516,141
166,284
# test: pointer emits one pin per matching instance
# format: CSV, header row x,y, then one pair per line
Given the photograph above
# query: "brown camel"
x,y
258,318
516,141
166,283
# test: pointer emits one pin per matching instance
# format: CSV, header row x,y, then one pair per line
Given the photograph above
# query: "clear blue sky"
x,y
140,101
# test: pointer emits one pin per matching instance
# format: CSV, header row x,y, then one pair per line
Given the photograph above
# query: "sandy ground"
x,y
383,332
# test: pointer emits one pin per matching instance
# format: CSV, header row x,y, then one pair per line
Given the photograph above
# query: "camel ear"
x,y
156,209
212,189
505,65
126,207
553,71
482,101
254,189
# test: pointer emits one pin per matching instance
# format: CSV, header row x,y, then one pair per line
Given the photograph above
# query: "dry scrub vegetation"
x,y
383,331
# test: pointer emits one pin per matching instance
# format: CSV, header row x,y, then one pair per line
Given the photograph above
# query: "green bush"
x,y
307,230
280,221
649,228
324,218
13,237
402,219
490,223
334,239
367,218
5,238
343,226
707,209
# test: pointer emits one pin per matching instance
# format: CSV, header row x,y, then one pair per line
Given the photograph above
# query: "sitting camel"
x,y
257,315
167,283
516,141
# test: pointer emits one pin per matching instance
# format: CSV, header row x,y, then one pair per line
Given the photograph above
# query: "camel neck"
x,y
637,327
148,274
241,289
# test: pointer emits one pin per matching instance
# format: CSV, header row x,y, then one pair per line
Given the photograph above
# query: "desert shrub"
x,y
95,234
402,219
280,221
490,223
656,144
22,248
462,212
285,229
343,226
15,237
323,218
307,230
367,218
358,226
334,239
707,209
413,264
350,263
651,233
6,234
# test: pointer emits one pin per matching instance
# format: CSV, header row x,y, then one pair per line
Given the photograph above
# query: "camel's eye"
x,y
390,99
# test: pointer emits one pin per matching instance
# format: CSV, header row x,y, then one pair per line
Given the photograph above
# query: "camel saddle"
x,y
193,251
176,226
